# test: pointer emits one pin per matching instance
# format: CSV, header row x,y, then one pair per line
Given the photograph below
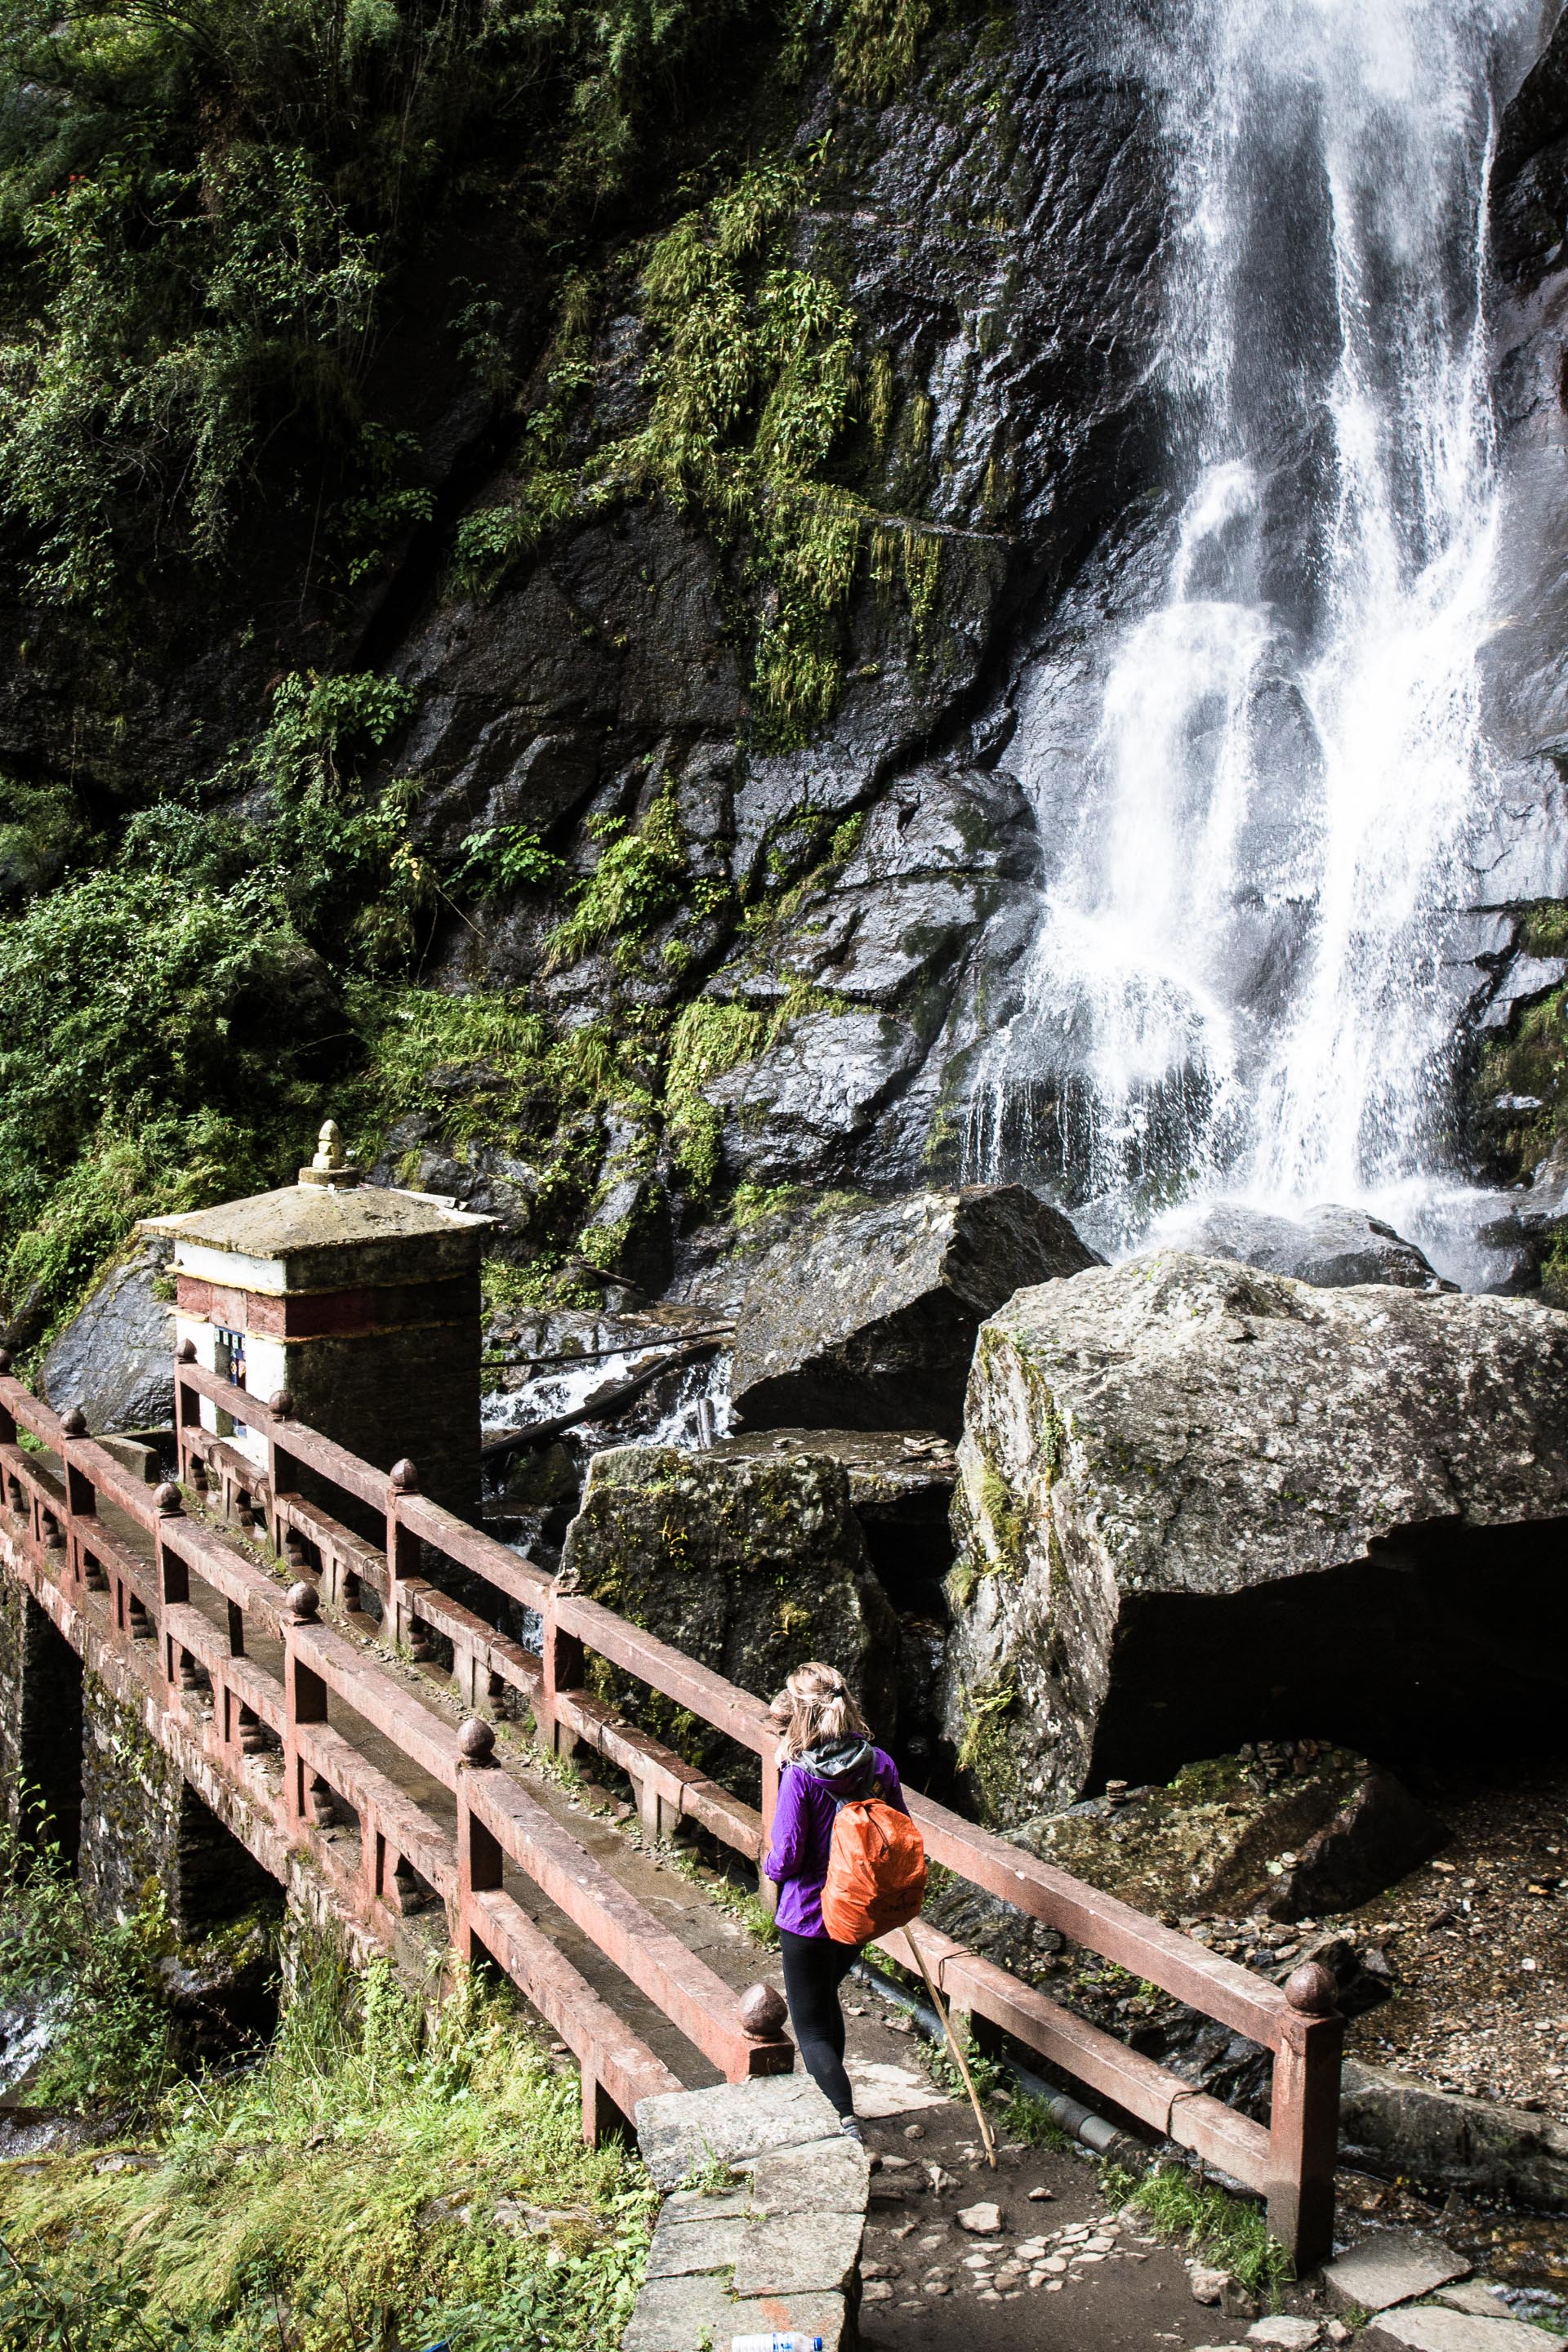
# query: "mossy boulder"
x,y
749,1566
1199,1504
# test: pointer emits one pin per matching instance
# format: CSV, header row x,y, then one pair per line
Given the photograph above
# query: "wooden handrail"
x,y
1291,2162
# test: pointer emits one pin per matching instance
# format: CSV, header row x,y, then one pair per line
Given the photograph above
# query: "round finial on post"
x,y
406,1477
281,1403
167,1500
763,2013
1311,1989
73,1422
477,1738
186,1351
304,1601
5,1359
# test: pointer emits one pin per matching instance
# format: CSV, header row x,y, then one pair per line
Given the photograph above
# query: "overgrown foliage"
x,y
202,210
376,2180
174,1012
89,1982
750,390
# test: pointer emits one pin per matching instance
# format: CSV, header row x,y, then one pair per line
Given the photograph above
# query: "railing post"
x,y
173,1576
81,1502
480,1861
403,1560
304,1701
278,1468
188,1406
7,1418
1304,2118
564,1667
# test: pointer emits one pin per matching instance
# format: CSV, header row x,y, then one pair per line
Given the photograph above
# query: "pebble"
x,y
937,2287
1055,2264
875,2291
1207,2286
1081,2259
1054,2286
979,2221
1042,2196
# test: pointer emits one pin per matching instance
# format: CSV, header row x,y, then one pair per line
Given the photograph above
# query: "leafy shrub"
x,y
506,858
350,2180
110,2043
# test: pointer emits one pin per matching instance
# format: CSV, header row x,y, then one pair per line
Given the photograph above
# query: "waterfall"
x,y
1256,746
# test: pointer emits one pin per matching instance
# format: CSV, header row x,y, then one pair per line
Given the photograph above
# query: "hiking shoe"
x,y
851,2128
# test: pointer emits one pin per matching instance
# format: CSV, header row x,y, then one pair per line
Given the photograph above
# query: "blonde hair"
x,y
815,1705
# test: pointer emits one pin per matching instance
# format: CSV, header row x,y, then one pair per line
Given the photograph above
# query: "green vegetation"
x,y
111,2043
752,390
1027,2118
639,876
1227,2232
377,2178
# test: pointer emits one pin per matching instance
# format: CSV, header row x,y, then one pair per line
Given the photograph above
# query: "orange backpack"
x,y
876,1871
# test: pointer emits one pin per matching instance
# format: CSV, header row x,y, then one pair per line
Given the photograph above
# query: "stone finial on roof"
x,y
332,1164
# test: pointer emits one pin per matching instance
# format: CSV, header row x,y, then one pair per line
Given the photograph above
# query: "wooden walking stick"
x,y
987,2141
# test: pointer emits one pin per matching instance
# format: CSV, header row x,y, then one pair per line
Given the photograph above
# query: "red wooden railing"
x,y
205,1685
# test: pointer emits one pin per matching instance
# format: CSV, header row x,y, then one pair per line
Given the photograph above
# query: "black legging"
x,y
814,1969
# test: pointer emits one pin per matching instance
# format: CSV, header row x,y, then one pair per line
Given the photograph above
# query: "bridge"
x,y
314,1644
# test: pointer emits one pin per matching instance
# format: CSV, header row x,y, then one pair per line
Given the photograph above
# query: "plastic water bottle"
x,y
792,2340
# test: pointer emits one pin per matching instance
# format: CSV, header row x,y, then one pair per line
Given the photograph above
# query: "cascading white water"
x,y
1243,978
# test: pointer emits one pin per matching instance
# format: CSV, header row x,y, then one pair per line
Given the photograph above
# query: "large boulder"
x,y
1200,1505
1330,1246
116,1358
749,1566
866,1319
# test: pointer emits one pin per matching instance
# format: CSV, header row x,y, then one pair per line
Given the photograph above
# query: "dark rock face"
x,y
867,1319
1200,1505
904,942
1525,679
116,1358
1330,1247
749,1566
996,232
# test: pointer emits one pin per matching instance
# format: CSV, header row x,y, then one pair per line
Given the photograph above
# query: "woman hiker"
x,y
825,1757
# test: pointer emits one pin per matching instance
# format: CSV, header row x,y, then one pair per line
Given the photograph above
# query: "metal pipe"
x,y
1093,2131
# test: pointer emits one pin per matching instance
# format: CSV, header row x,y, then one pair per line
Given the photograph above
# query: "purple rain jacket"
x,y
803,1818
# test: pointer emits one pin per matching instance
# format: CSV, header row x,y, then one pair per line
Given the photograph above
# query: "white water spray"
x,y
1242,978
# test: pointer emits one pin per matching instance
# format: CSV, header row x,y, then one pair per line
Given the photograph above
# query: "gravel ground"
x,y
1478,1945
